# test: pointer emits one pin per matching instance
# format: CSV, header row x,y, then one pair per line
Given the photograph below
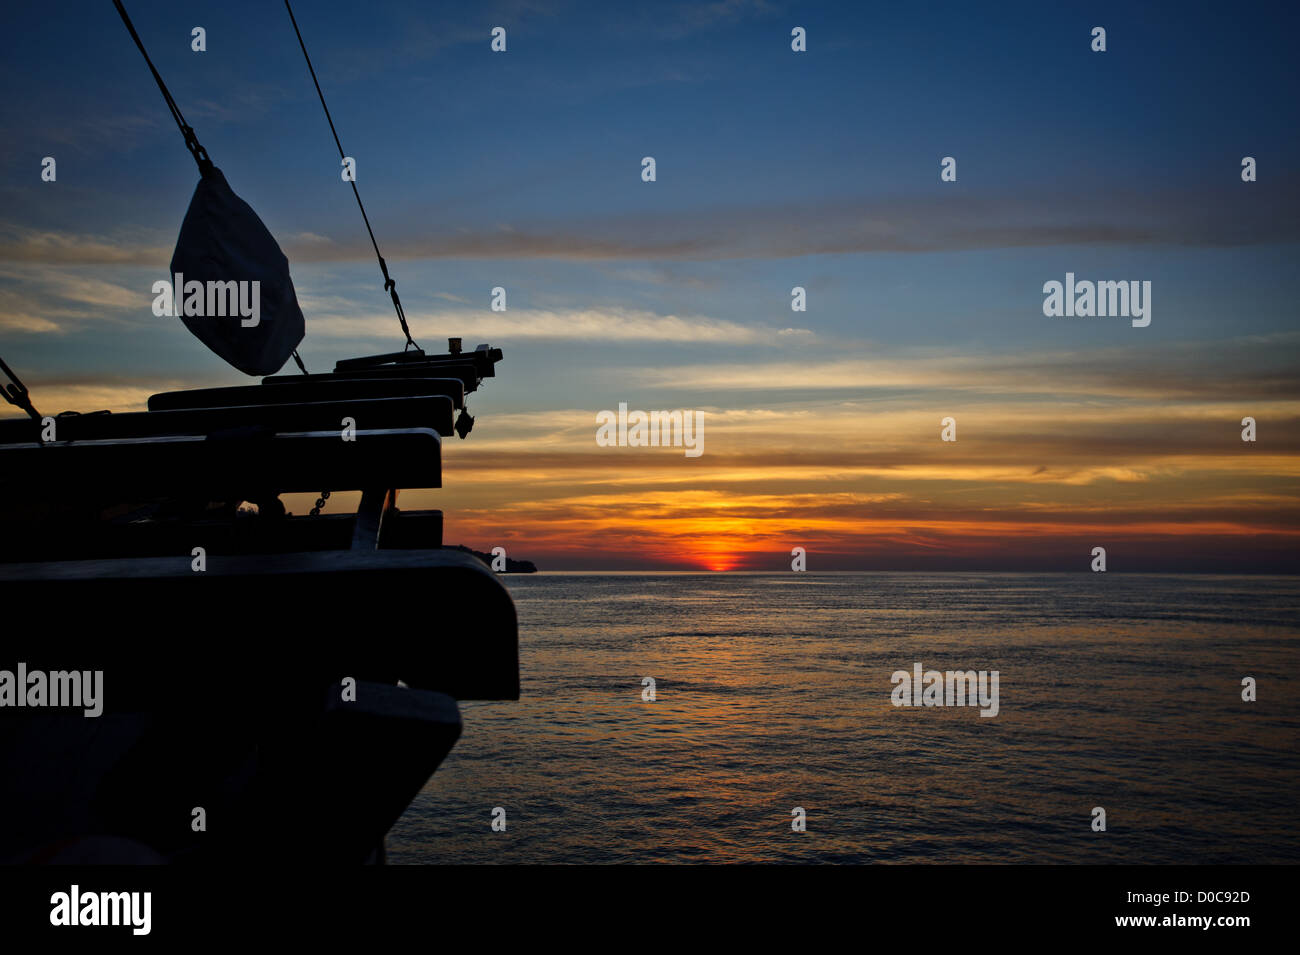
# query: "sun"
x,y
716,556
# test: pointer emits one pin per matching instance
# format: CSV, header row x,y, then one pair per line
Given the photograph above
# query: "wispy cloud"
x,y
1207,217
19,244
94,131
679,20
45,300
1259,367
593,325
55,394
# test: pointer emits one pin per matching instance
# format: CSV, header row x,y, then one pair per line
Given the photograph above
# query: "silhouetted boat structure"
x,y
297,679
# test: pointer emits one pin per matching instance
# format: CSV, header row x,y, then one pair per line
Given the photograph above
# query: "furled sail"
x,y
229,265
230,281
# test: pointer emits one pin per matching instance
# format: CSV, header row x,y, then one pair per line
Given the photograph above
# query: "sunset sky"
x,y
775,169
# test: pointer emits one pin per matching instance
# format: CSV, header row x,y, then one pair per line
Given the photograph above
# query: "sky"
x,y
774,169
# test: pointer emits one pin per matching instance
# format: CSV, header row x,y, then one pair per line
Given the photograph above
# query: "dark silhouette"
x,y
272,685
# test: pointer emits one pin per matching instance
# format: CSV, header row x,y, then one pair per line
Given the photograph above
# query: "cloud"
x,y
1009,455
1259,367
853,226
592,325
53,395
49,247
50,300
25,322
685,19
94,130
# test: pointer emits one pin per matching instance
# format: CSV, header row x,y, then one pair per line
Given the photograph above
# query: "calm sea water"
x,y
773,691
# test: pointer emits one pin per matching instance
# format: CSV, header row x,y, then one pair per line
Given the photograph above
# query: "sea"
x,y
772,736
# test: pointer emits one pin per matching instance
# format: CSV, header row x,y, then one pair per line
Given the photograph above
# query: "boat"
x,y
269,685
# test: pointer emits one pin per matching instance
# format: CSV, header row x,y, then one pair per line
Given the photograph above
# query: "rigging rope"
x,y
390,285
191,141
16,393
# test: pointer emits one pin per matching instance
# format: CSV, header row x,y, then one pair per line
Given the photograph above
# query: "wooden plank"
x,y
423,411
46,540
412,530
484,360
463,371
227,466
301,389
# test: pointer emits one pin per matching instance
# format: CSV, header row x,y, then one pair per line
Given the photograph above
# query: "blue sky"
x,y
763,156
775,169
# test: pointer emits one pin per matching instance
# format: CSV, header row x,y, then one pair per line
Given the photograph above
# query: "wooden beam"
x,y
229,466
431,411
301,389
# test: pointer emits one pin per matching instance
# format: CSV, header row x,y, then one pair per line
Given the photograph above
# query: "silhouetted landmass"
x,y
512,566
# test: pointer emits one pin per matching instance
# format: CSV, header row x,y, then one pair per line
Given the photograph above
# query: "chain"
x,y
320,502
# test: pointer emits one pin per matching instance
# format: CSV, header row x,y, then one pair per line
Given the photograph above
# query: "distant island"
x,y
512,566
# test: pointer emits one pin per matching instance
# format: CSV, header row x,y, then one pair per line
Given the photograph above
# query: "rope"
x,y
390,285
16,393
298,359
191,141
